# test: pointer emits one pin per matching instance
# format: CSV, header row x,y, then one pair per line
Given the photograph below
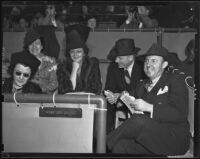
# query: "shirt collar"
x,y
154,81
130,67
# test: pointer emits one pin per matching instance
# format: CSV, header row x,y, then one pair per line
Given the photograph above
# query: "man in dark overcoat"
x,y
163,129
123,57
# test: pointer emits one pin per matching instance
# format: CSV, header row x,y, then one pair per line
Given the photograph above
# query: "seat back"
x,y
46,127
24,130
191,109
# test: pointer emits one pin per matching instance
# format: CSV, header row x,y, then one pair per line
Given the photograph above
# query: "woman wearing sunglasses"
x,y
23,67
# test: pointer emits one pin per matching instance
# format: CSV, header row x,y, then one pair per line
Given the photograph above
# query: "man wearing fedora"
x,y
124,72
163,129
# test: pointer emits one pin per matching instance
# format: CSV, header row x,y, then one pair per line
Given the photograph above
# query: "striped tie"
x,y
127,77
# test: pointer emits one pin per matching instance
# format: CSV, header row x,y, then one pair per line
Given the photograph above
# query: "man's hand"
x,y
112,97
131,16
141,105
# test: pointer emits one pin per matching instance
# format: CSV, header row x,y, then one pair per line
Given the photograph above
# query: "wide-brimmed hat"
x,y
158,50
123,47
30,36
26,59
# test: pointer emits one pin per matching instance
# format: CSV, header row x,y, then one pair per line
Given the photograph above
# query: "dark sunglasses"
x,y
18,73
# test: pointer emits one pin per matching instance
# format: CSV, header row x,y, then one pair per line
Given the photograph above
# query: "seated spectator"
x,y
79,72
49,18
23,67
91,22
85,12
162,98
123,74
46,75
188,65
139,17
52,47
6,23
5,65
60,21
22,25
33,22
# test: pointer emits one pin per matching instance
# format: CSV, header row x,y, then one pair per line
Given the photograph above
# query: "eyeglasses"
x,y
18,73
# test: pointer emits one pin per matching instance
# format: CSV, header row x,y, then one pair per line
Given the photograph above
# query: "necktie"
x,y
149,85
74,74
127,77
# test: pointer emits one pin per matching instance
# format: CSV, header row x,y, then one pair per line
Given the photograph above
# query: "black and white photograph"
x,y
109,79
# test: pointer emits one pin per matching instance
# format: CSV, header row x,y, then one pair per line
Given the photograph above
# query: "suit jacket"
x,y
116,83
170,134
89,80
115,80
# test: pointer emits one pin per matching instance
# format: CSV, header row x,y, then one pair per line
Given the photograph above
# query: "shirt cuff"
x,y
127,22
151,113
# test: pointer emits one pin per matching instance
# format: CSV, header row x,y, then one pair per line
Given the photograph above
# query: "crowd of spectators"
x,y
23,17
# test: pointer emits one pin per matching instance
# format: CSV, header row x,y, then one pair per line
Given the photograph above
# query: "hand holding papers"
x,y
127,100
111,97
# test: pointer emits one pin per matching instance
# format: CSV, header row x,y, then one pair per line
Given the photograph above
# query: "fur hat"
x,y
123,47
74,40
82,30
30,37
26,59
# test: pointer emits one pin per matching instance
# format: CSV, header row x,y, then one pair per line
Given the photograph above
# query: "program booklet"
x,y
127,100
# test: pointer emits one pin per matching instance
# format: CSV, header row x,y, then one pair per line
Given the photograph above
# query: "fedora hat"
x,y
26,59
158,50
123,47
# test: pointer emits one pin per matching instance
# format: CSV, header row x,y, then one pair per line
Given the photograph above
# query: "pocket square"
x,y
162,91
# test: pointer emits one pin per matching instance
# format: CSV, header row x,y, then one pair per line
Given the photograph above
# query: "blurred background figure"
x,y
139,17
91,22
188,63
5,65
21,24
61,18
85,12
6,23
49,17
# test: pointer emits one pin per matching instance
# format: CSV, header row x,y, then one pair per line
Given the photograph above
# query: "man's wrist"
x,y
150,110
127,21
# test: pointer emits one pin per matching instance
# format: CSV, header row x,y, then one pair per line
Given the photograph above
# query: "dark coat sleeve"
x,y
7,86
63,76
93,81
32,88
111,78
51,45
